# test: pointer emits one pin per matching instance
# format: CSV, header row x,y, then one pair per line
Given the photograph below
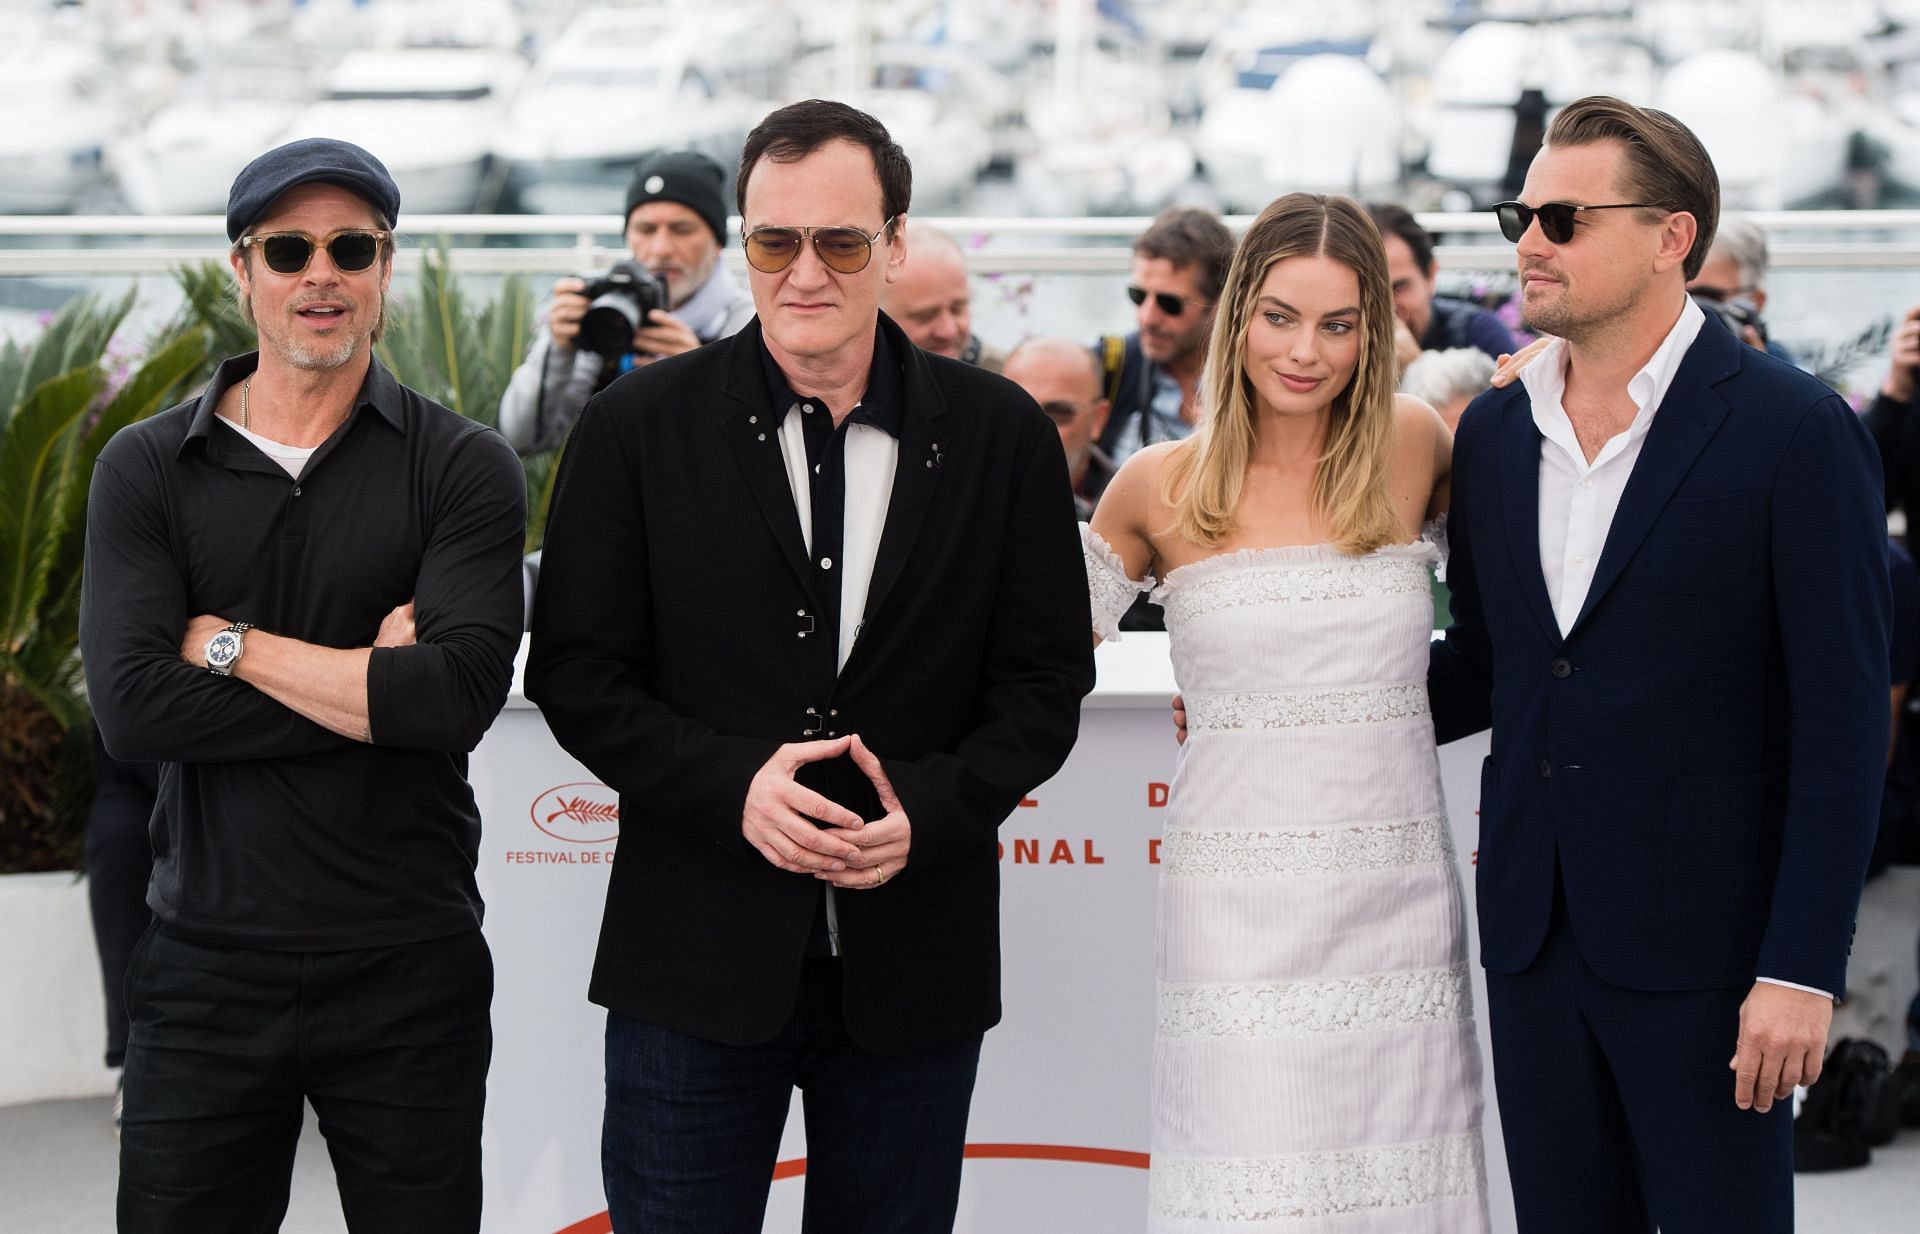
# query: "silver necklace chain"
x,y
245,388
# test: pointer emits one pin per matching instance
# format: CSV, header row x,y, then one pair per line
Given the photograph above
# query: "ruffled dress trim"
x,y
1109,591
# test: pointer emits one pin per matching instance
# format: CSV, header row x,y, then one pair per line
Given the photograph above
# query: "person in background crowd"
x,y
301,595
1064,378
677,229
1152,376
812,605
1429,321
932,301
1734,282
1895,429
119,865
1448,380
1656,515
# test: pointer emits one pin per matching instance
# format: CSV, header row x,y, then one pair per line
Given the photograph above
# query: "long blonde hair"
x,y
1207,473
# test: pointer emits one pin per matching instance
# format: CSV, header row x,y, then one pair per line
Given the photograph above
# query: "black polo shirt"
x,y
270,830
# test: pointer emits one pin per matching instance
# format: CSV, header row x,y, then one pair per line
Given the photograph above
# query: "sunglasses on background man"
x,y
1165,301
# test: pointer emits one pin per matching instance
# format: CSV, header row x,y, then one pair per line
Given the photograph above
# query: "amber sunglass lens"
x,y
287,254
843,249
772,250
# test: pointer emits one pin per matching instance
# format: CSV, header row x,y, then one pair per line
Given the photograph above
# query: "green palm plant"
x,y
441,344
57,409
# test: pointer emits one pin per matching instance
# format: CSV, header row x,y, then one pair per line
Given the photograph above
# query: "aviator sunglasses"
x,y
844,250
1165,301
1556,217
288,252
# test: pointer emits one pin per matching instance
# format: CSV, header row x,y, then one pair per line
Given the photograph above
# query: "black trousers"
x,y
1617,1105
119,866
390,1045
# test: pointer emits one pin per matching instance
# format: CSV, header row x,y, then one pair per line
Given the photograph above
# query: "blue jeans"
x,y
693,1127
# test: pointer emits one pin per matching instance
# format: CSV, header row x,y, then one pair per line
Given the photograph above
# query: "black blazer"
x,y
671,656
1703,753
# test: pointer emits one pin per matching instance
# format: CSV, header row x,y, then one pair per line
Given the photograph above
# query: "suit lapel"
x,y
922,458
752,432
1689,414
1520,492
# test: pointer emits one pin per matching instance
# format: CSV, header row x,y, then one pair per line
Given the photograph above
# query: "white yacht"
x,y
617,83
59,122
182,160
431,116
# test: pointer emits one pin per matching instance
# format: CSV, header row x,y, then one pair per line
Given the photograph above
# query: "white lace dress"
x,y
1315,1065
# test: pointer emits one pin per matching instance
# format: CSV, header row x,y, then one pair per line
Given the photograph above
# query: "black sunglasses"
x,y
288,252
1166,301
1556,217
845,250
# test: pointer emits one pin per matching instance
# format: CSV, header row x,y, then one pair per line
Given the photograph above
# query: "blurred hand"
x,y
1406,348
1508,368
569,306
663,335
1179,720
1899,385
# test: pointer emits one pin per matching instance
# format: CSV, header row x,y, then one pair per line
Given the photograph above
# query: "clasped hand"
x,y
781,819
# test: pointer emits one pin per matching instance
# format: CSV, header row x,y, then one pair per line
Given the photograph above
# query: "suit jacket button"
x,y
1562,668
1546,770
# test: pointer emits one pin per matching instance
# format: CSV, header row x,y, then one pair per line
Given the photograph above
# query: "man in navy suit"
x,y
1670,603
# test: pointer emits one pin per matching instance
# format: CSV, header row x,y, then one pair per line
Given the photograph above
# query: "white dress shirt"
x,y
871,455
1578,499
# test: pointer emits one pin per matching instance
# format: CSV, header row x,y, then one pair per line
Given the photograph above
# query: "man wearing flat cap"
x,y
676,228
302,598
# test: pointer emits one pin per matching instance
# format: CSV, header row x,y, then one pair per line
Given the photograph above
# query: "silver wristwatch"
x,y
224,648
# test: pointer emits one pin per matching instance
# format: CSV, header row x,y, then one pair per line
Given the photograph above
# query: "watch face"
x,y
223,647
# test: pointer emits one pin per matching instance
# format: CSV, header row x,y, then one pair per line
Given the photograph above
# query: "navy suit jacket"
x,y
1703,752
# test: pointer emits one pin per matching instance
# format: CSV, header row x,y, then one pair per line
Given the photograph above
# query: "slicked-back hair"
x,y
1666,167
797,130
1188,236
1395,220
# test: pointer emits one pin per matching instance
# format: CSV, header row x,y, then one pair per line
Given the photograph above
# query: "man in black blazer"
x,y
813,604
1670,602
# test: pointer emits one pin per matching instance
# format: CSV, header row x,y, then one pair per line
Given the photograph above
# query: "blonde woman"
x,y
1315,1064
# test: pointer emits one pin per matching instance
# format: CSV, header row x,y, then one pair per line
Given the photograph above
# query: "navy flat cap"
x,y
308,161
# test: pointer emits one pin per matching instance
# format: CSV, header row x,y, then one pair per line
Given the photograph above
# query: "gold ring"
x,y
879,876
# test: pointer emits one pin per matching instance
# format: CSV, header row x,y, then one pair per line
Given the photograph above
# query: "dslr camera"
x,y
1735,313
620,300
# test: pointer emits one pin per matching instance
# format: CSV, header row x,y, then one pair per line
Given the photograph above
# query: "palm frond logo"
x,y
581,813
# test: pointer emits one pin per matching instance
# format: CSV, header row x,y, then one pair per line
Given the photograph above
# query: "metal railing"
x,y
1877,240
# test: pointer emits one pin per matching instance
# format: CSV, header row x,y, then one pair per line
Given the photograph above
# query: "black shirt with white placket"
x,y
825,441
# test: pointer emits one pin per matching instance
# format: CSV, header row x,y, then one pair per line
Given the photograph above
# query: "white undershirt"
x,y
1578,499
871,455
292,459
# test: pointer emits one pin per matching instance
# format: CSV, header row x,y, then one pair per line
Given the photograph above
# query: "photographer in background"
x,y
1731,284
676,228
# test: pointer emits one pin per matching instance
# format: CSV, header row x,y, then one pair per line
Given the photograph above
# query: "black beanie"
x,y
684,176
